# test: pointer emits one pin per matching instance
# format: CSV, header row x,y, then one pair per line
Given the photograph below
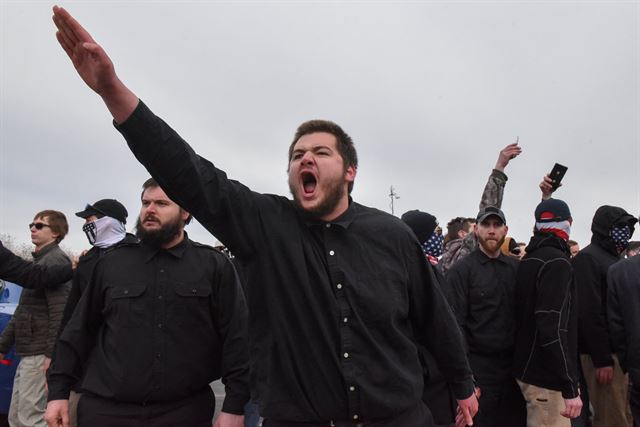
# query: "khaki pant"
x,y
610,402
29,398
74,398
543,406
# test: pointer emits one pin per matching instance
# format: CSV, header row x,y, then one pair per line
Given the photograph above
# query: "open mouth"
x,y
309,182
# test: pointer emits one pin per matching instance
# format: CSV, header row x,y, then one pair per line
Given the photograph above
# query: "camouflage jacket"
x,y
457,249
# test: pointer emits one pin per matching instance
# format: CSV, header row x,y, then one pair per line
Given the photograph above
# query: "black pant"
x,y
501,405
194,411
418,416
501,402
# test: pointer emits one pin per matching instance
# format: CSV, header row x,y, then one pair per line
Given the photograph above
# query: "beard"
x,y
159,237
491,245
334,193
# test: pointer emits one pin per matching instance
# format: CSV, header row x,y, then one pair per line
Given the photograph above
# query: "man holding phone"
x,y
545,360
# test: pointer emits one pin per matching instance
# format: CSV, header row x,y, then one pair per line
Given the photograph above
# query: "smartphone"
x,y
556,175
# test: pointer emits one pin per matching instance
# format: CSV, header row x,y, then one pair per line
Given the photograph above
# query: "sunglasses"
x,y
38,225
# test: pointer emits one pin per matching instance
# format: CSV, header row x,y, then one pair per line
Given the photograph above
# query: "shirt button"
x,y
332,253
159,325
328,225
159,296
346,355
355,417
339,286
352,388
126,292
345,320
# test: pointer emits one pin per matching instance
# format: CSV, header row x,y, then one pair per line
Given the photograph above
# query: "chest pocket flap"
x,y
193,290
128,291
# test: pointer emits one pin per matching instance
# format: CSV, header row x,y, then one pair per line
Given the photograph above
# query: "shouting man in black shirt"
x,y
159,321
339,294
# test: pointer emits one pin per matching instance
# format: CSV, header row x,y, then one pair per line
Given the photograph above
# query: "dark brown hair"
x,y
344,143
153,183
456,225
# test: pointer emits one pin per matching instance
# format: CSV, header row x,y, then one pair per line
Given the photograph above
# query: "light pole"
x,y
393,196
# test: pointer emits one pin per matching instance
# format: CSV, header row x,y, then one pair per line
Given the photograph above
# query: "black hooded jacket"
x,y
545,352
590,268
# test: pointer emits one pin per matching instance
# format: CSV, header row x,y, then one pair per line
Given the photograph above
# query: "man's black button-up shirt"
x,y
157,325
336,308
481,291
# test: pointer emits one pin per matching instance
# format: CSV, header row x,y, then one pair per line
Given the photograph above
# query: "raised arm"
x,y
494,189
93,65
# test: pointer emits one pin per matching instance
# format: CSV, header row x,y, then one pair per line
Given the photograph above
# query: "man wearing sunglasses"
x,y
35,323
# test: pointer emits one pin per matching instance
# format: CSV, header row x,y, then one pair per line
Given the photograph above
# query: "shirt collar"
x,y
176,251
44,250
483,258
344,220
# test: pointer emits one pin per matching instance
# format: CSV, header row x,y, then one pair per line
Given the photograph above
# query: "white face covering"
x,y
104,232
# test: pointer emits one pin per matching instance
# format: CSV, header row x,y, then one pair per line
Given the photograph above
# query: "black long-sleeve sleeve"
x,y
358,285
594,335
30,275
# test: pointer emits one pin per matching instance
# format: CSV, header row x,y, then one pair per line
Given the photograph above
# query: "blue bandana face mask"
x,y
621,236
433,245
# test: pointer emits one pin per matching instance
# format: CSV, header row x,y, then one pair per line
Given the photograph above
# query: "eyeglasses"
x,y
38,225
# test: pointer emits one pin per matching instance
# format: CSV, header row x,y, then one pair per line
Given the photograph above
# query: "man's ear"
x,y
350,174
184,215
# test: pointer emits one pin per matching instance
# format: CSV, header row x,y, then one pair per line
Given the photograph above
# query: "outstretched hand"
x,y
93,65
89,59
509,152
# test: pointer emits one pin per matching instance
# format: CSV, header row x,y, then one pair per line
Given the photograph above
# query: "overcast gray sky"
x,y
429,91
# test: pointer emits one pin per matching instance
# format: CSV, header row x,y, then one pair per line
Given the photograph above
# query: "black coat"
x,y
546,319
624,318
590,268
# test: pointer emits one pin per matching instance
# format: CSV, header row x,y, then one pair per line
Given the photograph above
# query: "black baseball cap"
x,y
105,207
490,211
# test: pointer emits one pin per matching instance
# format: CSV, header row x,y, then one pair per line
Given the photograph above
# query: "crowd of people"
x,y
330,313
